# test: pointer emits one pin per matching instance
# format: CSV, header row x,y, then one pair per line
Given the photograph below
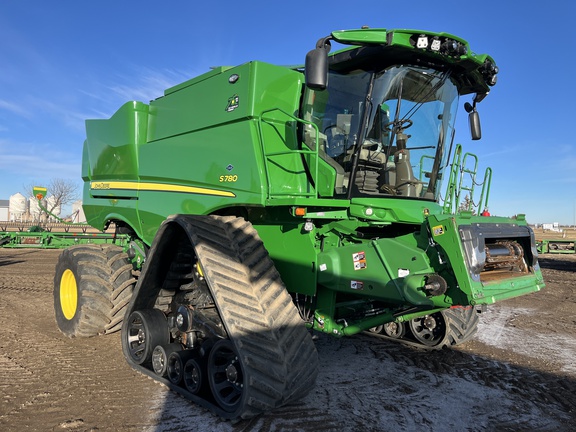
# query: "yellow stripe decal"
x,y
158,187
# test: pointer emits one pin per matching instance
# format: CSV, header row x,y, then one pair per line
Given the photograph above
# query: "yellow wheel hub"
x,y
199,269
68,294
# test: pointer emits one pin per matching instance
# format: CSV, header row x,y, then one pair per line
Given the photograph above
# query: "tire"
x,y
123,283
461,325
92,287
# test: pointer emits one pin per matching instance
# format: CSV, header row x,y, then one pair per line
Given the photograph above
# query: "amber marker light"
x,y
300,211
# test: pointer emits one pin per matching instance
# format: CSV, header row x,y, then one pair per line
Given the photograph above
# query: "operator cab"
x,y
397,122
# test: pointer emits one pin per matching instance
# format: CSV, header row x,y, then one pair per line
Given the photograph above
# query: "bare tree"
x,y
467,205
60,192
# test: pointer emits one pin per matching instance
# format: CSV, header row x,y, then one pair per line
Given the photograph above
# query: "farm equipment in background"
x,y
45,239
47,235
262,201
556,246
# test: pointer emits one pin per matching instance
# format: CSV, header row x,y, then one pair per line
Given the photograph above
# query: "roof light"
x,y
422,41
439,44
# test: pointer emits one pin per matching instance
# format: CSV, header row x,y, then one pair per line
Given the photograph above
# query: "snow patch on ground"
x,y
496,329
361,387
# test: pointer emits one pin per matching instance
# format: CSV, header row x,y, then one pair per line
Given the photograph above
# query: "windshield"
x,y
388,130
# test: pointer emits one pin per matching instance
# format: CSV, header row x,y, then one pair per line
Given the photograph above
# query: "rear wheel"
x,y
461,325
92,287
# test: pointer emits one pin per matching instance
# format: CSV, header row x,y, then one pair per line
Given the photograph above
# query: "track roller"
x,y
194,376
160,357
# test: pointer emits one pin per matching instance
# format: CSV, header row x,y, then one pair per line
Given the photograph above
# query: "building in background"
x,y
4,212
18,208
78,215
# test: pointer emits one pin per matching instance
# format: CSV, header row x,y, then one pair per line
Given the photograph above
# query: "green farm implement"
x,y
55,240
557,246
255,203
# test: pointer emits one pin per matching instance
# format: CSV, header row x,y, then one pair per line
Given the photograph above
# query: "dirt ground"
x,y
518,373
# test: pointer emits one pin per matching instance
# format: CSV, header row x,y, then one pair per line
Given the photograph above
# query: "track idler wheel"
x,y
394,330
146,329
226,375
428,330
391,329
175,368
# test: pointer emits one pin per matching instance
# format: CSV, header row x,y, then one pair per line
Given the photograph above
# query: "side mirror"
x,y
475,129
316,66
474,121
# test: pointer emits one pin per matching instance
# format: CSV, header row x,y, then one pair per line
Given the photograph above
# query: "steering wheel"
x,y
388,189
399,124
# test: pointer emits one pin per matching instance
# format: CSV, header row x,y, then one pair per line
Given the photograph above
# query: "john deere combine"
x,y
262,201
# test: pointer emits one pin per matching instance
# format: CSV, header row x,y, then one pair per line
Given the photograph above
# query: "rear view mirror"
x,y
475,129
316,66
474,121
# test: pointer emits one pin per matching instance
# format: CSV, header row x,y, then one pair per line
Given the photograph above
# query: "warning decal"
x,y
359,259
357,285
438,230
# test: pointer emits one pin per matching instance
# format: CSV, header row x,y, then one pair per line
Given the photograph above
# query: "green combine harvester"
x,y
260,202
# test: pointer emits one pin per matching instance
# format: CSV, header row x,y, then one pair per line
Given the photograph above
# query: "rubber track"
x,y
277,351
278,356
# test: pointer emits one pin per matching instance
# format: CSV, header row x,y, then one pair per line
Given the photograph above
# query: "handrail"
x,y
456,184
267,156
484,195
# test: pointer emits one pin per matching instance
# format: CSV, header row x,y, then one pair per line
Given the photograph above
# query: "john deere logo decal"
x,y
233,103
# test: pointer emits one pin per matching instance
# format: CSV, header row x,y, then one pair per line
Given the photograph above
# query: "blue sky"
x,y
62,62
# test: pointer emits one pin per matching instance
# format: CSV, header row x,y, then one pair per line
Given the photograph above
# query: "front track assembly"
x,y
211,319
435,331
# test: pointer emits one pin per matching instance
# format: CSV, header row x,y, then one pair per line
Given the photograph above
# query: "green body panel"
x,y
378,268
245,141
112,145
294,254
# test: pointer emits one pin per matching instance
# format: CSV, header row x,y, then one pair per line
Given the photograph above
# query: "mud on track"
x,y
519,373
